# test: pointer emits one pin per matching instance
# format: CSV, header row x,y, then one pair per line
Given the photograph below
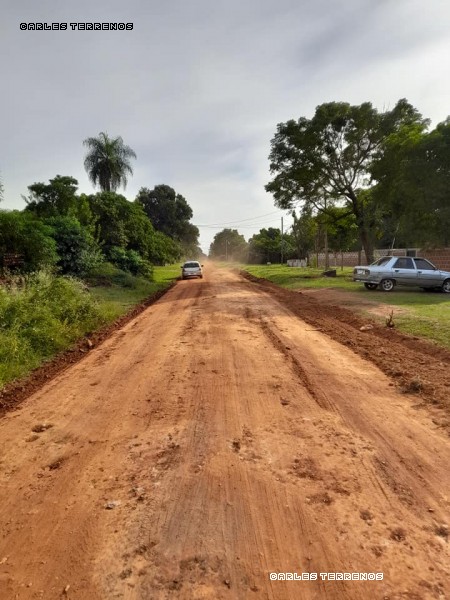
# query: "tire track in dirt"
x,y
300,372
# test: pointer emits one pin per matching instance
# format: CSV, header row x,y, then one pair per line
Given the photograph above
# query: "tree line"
x,y
78,232
353,178
305,237
384,174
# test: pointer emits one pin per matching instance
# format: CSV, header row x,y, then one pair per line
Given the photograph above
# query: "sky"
x,y
196,88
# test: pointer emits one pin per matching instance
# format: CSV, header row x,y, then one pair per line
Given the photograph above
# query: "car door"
x,y
427,274
404,271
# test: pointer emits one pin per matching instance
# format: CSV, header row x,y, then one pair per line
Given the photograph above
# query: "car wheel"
x,y
387,285
446,286
371,286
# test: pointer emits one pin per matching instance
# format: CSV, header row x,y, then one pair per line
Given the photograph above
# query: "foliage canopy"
x,y
331,157
107,161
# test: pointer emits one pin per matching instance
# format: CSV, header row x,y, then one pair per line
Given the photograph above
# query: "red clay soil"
x,y
230,433
12,394
415,365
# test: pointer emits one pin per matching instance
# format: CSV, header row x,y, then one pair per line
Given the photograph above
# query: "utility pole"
x,y
327,259
281,244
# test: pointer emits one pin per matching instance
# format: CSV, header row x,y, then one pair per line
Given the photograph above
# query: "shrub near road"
x,y
39,317
43,314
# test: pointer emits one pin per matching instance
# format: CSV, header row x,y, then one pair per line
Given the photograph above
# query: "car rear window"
x,y
191,265
381,261
421,263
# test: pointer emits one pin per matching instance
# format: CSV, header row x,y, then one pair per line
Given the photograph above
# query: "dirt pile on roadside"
x,y
416,365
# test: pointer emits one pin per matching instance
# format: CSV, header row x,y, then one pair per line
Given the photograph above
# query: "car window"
x,y
381,261
191,265
404,263
423,264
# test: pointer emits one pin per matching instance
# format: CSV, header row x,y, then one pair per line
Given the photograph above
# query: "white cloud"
x,y
197,88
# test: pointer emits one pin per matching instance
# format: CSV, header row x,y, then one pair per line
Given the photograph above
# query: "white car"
x,y
389,271
191,268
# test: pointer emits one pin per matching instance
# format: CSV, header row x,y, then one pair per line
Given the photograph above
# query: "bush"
x,y
39,317
108,274
77,250
22,233
132,261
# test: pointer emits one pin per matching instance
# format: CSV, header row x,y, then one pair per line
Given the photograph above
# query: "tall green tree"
x,y
108,161
414,185
229,244
120,223
24,234
269,246
342,229
124,225
165,250
330,158
58,198
77,250
169,212
304,232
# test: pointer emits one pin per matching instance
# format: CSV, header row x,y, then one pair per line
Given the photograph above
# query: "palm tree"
x,y
108,162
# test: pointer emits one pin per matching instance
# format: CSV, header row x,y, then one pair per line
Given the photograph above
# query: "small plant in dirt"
x,y
390,320
398,534
442,531
415,386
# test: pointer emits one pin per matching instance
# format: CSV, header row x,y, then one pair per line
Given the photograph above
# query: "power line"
x,y
246,226
241,221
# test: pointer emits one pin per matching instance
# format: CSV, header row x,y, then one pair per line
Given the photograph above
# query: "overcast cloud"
x,y
198,87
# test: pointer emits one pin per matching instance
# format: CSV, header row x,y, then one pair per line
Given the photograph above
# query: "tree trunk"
x,y
364,234
367,245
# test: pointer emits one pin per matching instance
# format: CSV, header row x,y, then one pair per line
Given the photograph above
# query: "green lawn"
x,y
428,313
296,277
423,314
167,274
116,300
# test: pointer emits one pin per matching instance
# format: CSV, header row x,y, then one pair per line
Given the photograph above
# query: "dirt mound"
x,y
416,365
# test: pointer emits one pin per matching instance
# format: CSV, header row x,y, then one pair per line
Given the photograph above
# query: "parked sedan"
x,y
191,268
389,271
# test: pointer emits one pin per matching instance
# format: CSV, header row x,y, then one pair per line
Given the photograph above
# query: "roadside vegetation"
x,y
71,263
42,313
124,291
418,313
305,277
39,316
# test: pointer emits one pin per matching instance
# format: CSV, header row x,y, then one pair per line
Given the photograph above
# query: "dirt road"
x,y
215,439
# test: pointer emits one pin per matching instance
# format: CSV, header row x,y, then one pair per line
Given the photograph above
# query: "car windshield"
x,y
381,261
191,265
